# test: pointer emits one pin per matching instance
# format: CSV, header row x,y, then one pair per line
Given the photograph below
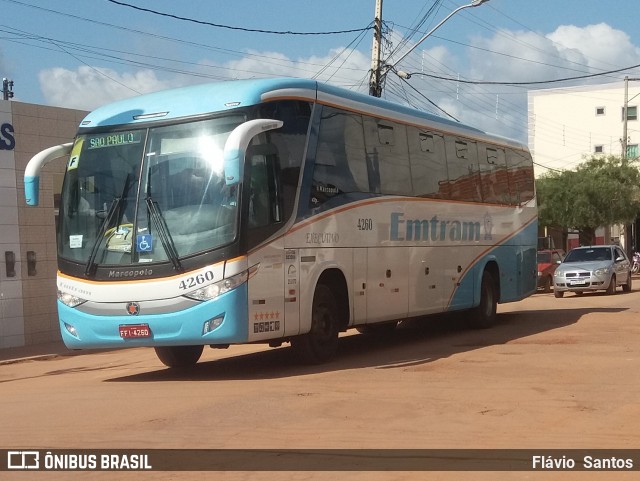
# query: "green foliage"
x,y
601,191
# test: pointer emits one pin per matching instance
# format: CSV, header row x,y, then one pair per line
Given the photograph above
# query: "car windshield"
x,y
589,255
544,257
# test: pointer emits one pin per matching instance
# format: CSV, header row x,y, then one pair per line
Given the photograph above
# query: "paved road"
x,y
554,373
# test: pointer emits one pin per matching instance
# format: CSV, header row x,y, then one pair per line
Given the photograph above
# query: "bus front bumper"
x,y
223,320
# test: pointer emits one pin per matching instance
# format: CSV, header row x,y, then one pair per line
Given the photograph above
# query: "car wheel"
x,y
612,285
627,287
558,293
546,286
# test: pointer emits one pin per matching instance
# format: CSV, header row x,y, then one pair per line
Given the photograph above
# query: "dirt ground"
x,y
553,374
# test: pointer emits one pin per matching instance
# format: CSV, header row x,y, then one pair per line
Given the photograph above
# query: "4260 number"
x,y
195,281
365,224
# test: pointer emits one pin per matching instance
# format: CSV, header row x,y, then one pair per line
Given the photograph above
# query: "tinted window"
x,y
520,168
388,150
493,175
462,165
340,165
544,257
428,163
289,141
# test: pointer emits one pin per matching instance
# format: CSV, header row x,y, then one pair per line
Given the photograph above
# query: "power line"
x,y
431,101
217,25
488,82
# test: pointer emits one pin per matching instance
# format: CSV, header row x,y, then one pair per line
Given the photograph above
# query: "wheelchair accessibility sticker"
x,y
144,243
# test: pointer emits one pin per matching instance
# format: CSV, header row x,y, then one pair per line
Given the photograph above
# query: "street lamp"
x,y
377,78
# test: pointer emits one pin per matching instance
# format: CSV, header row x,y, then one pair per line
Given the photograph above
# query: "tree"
x,y
601,191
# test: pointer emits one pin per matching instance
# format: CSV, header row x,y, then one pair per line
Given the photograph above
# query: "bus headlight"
x,y
69,299
225,285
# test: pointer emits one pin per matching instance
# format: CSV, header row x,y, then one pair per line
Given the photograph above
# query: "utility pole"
x,y
375,80
629,234
7,89
625,118
377,75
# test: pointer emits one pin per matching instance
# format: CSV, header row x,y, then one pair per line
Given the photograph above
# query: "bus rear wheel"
x,y
321,342
484,316
179,356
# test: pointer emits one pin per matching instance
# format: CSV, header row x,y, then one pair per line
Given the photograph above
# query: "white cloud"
x,y
516,56
340,66
600,45
87,88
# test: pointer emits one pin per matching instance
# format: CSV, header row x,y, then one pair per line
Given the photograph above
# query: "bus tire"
x,y
321,342
484,315
179,356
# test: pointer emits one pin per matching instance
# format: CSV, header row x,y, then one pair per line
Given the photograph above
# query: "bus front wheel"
x,y
321,342
179,356
484,316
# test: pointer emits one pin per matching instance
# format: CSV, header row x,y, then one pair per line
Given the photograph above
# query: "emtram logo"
x,y
436,229
23,460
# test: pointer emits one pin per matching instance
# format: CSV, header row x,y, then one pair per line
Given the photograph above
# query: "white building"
x,y
568,124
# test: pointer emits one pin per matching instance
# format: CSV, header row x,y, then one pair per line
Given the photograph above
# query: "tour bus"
x,y
281,210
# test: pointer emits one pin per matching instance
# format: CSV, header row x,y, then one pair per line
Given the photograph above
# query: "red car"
x,y
548,261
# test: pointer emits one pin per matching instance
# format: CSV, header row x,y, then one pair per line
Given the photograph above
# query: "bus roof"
x,y
207,98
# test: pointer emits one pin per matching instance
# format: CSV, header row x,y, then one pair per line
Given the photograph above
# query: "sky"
x,y
85,53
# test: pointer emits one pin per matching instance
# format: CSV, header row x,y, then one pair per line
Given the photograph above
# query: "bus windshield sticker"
x,y
114,140
75,241
144,243
74,158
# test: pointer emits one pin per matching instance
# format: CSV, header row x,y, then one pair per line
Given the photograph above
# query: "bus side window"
x,y
263,202
428,164
520,169
462,165
493,175
340,165
387,143
290,141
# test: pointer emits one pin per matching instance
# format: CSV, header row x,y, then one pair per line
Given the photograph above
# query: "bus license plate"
x,y
132,331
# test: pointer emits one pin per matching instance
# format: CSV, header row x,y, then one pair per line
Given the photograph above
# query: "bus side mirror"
x,y
236,146
32,171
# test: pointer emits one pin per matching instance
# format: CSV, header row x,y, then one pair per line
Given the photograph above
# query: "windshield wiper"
x,y
116,206
163,233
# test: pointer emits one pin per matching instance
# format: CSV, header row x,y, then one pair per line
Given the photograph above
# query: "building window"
x,y
632,112
599,110
598,149
632,151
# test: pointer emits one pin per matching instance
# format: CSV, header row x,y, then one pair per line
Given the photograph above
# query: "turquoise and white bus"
x,y
281,210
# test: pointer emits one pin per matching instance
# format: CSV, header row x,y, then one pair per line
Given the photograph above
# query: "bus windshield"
x,y
148,195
